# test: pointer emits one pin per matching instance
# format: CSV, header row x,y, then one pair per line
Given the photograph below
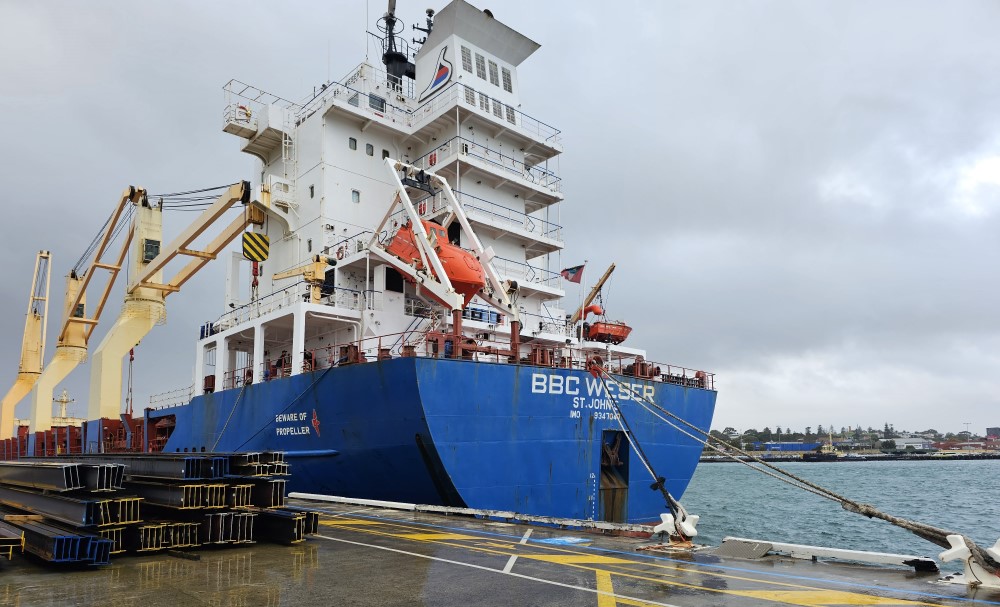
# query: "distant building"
x,y
993,432
916,442
776,446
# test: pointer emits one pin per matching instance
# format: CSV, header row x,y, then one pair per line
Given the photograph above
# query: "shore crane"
x,y
32,344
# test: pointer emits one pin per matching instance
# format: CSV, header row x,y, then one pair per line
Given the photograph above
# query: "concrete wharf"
x,y
371,556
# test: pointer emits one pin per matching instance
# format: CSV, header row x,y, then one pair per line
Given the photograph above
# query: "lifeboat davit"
x,y
609,332
463,269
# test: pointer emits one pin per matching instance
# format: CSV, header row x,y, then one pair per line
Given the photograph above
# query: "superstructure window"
x,y
494,76
470,96
369,149
511,117
352,143
385,154
481,66
355,196
497,109
312,191
376,103
507,85
484,102
466,59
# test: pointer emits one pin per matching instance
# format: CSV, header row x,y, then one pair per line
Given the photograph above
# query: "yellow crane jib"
x,y
32,344
313,273
593,293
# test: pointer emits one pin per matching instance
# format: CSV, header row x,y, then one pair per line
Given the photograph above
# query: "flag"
x,y
574,274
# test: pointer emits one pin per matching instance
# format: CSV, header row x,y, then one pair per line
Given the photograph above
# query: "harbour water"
x,y
961,496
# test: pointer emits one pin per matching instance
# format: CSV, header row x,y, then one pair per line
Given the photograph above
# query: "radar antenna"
x,y
395,50
426,30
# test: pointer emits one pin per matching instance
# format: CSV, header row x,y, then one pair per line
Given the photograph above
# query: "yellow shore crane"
x,y
144,298
32,344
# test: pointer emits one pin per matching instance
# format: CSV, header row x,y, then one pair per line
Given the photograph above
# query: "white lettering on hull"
x,y
598,397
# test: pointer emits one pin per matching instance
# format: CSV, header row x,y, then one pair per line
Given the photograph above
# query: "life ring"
x,y
340,253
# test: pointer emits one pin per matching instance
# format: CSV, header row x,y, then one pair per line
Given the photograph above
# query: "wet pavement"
x,y
368,556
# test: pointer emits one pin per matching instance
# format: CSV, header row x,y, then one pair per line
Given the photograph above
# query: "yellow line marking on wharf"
x,y
799,594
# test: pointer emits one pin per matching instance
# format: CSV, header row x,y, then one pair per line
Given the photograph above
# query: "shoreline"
x,y
717,459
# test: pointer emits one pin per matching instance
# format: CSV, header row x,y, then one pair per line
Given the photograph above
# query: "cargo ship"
x,y
395,319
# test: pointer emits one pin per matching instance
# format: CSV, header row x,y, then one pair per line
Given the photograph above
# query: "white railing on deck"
x,y
173,398
470,149
363,80
340,297
524,272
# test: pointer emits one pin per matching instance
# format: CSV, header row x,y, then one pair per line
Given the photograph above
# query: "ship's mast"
x,y
395,50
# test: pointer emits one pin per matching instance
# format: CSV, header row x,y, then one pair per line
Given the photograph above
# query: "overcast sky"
x,y
802,197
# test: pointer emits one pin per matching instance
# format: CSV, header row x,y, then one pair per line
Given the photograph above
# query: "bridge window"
x,y
507,86
497,111
494,77
466,59
481,66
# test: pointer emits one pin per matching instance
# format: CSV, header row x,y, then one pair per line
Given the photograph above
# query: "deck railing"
x,y
510,165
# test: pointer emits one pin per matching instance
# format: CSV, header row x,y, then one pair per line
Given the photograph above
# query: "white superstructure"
x,y
454,111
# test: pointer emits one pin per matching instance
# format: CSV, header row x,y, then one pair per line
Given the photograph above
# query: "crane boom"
x,y
33,343
593,293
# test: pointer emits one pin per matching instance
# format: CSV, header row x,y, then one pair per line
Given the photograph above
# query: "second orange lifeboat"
x,y
463,269
608,332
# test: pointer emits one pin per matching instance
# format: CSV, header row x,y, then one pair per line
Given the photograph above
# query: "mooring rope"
x,y
935,535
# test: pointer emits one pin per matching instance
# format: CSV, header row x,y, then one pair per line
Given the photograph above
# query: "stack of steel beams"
x,y
84,508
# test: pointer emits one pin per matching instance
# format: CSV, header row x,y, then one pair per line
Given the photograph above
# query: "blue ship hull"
x,y
455,432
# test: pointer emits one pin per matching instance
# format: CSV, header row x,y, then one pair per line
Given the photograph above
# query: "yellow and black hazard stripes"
x,y
256,246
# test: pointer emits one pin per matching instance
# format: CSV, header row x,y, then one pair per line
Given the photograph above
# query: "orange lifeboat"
x,y
614,332
463,269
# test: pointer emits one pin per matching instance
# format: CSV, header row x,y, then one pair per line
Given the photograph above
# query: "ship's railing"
x,y
340,297
358,89
415,343
458,93
470,97
262,306
538,323
527,273
469,148
486,210
172,398
349,245
240,376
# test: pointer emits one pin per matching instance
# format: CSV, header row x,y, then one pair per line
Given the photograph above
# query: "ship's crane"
x,y
313,273
77,326
32,344
144,299
144,307
593,293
